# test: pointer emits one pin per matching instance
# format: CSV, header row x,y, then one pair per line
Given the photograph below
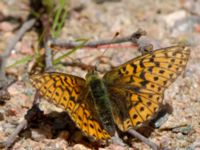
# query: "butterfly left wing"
x,y
136,88
71,93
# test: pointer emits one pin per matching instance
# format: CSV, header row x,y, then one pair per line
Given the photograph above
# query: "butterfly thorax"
x,y
101,101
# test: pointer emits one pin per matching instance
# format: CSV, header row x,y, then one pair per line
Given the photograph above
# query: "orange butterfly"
x,y
125,97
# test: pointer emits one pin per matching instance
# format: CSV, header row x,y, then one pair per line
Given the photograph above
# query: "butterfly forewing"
x,y
140,84
70,93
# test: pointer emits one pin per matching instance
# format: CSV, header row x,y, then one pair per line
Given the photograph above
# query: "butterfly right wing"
x,y
70,93
137,87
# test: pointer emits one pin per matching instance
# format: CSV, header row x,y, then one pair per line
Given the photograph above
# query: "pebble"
x,y
183,130
172,18
192,6
37,135
1,116
185,24
79,147
42,133
6,26
64,135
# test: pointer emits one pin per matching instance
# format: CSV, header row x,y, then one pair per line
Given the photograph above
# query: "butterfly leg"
x,y
143,139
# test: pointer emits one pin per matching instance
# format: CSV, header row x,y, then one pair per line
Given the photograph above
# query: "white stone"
x,y
172,18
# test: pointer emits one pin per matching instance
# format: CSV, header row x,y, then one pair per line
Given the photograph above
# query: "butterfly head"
x,y
91,75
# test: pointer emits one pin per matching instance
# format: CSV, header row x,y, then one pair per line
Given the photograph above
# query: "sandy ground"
x,y
166,23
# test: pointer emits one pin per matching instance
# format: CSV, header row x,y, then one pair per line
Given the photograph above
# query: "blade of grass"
x,y
59,20
58,60
60,25
21,61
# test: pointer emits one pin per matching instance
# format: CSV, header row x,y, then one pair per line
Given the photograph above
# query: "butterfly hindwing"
x,y
136,109
70,92
140,84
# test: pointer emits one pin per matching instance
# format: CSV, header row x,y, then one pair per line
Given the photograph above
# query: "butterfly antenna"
x,y
98,62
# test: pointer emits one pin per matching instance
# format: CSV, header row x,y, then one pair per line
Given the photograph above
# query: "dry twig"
x,y
48,56
11,139
71,44
11,44
6,81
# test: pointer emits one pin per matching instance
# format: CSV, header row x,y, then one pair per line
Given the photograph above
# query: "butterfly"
x,y
124,98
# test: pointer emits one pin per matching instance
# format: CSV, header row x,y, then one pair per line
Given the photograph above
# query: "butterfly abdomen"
x,y
102,104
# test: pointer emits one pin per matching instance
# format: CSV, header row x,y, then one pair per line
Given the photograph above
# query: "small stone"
x,y
117,147
172,18
184,130
195,145
26,133
11,112
64,135
192,6
37,135
6,26
78,5
42,133
186,24
1,116
180,136
79,147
